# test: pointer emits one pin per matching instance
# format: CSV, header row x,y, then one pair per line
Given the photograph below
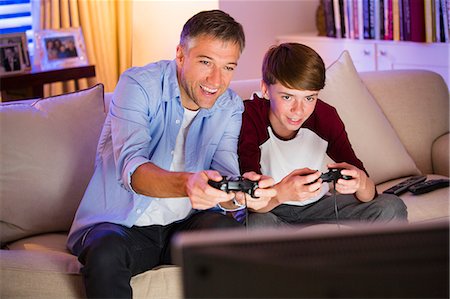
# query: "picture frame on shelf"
x,y
21,39
11,59
60,48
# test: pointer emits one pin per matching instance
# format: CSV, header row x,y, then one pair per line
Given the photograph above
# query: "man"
x,y
172,126
11,61
287,134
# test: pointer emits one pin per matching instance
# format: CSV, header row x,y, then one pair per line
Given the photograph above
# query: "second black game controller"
x,y
333,175
235,185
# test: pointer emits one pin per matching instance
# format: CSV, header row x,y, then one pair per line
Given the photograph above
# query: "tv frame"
x,y
356,261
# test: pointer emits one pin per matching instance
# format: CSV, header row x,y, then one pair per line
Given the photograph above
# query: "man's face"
x,y
289,108
204,68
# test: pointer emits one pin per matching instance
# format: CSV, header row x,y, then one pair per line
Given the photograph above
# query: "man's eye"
x,y
229,68
205,62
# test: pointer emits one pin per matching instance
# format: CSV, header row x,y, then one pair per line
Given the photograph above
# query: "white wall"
x,y
263,21
157,26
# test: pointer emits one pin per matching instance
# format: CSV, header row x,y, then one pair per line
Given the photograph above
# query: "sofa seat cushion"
x,y
440,155
41,267
430,206
46,160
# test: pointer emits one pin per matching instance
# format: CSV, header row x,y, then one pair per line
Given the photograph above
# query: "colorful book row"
x,y
399,20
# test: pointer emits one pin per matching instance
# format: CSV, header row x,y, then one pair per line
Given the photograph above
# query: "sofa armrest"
x,y
439,155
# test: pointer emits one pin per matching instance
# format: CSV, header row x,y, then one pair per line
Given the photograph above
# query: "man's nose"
x,y
215,76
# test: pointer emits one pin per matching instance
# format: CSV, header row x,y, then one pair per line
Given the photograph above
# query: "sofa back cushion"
x,y
371,134
46,160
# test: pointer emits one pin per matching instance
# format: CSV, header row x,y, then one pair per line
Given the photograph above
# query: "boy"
x,y
286,135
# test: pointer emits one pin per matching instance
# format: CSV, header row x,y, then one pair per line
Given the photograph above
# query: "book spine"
x,y
329,18
337,18
407,20
396,20
342,18
428,21
417,11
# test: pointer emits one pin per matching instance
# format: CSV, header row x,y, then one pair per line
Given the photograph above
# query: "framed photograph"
x,y
11,59
59,48
21,39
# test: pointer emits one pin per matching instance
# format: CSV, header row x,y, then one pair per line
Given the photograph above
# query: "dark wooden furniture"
x,y
30,84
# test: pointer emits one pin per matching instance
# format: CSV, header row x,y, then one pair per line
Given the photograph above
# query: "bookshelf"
x,y
379,55
397,20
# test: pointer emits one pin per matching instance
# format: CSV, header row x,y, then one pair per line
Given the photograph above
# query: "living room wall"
x,y
157,25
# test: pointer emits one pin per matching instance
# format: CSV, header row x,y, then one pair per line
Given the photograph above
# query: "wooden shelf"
x,y
35,79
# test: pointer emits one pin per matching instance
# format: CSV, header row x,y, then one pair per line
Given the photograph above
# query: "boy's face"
x,y
204,68
289,108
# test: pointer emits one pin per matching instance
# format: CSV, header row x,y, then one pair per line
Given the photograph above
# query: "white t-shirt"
x,y
166,210
281,157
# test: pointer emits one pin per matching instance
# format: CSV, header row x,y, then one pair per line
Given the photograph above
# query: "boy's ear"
x,y
264,90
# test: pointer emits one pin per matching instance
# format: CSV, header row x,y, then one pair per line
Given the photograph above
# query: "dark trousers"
x,y
384,208
112,254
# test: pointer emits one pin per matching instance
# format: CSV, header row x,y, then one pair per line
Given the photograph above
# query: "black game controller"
x,y
236,184
333,175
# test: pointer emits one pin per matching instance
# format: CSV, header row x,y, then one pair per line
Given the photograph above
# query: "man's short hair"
x,y
295,66
214,23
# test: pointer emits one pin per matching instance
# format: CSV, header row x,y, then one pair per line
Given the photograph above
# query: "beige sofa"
x,y
47,158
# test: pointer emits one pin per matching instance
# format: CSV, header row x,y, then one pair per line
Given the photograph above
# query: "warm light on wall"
x,y
157,26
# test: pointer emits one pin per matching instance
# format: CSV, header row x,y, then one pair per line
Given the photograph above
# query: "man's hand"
x,y
360,184
201,194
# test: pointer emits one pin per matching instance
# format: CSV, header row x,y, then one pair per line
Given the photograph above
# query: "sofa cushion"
x,y
46,160
432,206
416,102
371,135
440,155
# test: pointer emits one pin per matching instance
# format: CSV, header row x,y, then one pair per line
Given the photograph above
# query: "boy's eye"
x,y
286,98
309,98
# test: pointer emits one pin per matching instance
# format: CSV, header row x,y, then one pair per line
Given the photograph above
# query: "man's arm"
x,y
151,180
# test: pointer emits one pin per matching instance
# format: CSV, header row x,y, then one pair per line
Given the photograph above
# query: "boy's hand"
x,y
360,183
201,194
299,185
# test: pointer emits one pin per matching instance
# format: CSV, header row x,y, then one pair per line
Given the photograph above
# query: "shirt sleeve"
x,y
130,117
253,134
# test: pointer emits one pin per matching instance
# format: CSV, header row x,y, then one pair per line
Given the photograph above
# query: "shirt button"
x,y
138,211
172,153
177,121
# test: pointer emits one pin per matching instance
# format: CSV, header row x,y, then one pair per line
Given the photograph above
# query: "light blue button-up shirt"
x,y
142,126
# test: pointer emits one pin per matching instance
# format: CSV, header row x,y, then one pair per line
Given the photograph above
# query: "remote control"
x,y
428,186
403,186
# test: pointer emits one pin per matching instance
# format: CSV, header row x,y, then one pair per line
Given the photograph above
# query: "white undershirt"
x,y
164,211
280,157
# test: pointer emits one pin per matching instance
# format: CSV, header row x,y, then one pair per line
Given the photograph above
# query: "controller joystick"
x,y
333,175
235,185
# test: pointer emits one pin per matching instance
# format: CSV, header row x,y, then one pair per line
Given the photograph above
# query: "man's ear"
x,y
180,55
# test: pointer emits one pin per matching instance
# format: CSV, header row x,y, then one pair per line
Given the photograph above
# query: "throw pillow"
x,y
374,140
46,160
